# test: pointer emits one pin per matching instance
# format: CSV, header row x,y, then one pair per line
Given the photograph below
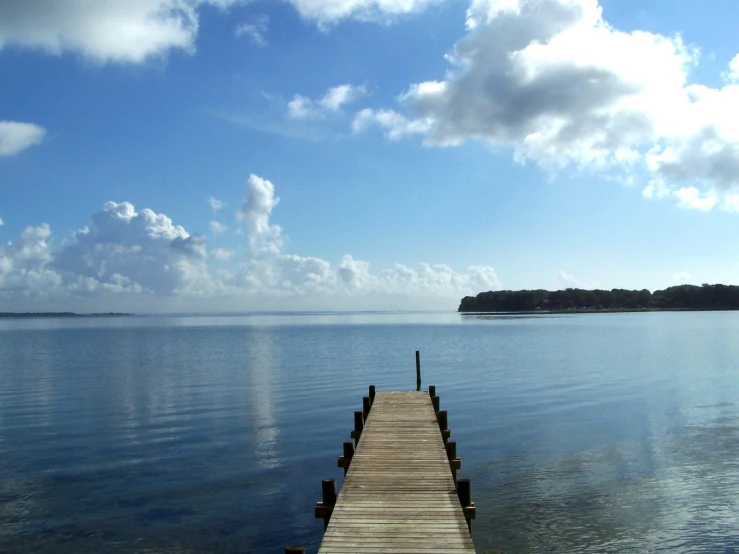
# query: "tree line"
x,y
682,297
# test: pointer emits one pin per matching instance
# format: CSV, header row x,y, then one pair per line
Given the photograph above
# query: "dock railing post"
x,y
418,370
294,550
358,427
464,491
325,508
345,460
366,406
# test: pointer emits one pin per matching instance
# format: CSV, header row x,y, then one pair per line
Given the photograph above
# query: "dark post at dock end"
x,y
432,390
418,370
372,394
294,550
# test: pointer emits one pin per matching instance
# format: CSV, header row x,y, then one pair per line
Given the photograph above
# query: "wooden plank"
x,y
399,493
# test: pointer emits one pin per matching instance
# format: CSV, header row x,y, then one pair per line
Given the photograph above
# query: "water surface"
x,y
582,433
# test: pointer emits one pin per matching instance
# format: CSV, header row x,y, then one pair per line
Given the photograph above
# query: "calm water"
x,y
586,433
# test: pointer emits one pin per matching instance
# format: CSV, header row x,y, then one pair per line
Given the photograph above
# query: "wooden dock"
x,y
400,492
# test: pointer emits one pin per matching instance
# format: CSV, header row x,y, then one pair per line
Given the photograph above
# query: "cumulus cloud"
x,y
142,258
733,72
132,31
395,124
691,198
302,107
131,251
104,30
16,136
255,210
216,205
555,82
221,254
217,228
325,12
255,30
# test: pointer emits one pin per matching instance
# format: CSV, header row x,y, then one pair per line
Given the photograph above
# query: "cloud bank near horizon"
x,y
124,255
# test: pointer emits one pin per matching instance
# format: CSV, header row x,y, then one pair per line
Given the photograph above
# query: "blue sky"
x,y
189,155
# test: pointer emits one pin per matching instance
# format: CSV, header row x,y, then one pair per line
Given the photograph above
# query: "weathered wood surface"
x,y
399,493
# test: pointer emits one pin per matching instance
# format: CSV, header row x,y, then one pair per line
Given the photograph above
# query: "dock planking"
x,y
399,493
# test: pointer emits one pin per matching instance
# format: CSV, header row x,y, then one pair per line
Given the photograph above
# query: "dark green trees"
x,y
685,297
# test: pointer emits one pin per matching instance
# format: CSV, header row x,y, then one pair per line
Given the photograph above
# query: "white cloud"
x,y
221,254
216,205
733,72
396,125
1,222
103,30
131,31
142,250
682,277
256,208
691,198
16,136
325,12
128,258
302,107
566,280
555,82
255,30
217,228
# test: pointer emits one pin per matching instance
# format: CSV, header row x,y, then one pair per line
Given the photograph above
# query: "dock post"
x,y
432,390
358,426
325,508
294,550
464,491
345,460
443,418
418,370
435,402
454,462
372,394
366,406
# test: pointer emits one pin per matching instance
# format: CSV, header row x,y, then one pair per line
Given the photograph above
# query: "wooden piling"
x,y
418,370
325,508
358,426
346,460
464,491
443,418
366,406
294,550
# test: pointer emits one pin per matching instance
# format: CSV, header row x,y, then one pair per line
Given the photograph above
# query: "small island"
x,y
682,297
59,314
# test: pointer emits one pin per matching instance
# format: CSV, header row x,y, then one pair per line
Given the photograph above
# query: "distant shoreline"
x,y
677,298
18,315
597,311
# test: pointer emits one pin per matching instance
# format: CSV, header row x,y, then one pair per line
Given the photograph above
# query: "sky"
x,y
236,155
